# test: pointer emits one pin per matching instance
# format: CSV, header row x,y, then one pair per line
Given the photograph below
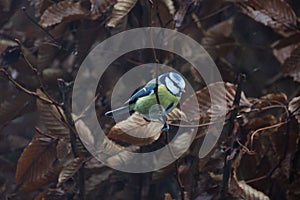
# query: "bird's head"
x,y
174,83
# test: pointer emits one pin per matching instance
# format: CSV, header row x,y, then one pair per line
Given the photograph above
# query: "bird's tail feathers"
x,y
118,111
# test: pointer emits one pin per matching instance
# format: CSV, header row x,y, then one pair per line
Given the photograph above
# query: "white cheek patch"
x,y
170,85
178,80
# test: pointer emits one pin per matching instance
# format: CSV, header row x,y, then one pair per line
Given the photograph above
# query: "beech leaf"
x,y
50,117
36,164
276,14
205,109
120,10
170,6
61,12
136,125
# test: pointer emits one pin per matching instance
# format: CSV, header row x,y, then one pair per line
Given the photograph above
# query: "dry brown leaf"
x,y
6,43
294,107
240,189
61,12
203,97
137,125
63,149
269,99
177,148
279,139
170,6
36,164
218,40
39,6
286,41
276,14
86,140
120,159
284,53
282,49
176,115
98,7
70,169
46,54
120,10
110,147
50,117
274,98
291,66
251,193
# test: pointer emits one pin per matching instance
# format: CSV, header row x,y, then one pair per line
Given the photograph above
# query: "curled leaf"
x,y
120,10
283,48
284,53
177,148
250,192
39,6
61,12
5,43
269,99
146,131
170,6
276,14
176,115
87,139
205,109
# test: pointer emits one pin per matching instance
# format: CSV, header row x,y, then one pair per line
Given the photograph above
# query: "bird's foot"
x,y
165,128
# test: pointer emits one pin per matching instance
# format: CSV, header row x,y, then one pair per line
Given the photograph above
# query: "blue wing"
x,y
148,89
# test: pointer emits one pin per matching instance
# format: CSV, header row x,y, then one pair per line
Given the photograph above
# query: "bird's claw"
x,y
165,128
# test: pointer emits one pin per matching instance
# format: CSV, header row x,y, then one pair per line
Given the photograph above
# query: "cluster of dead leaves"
x,y
48,158
266,161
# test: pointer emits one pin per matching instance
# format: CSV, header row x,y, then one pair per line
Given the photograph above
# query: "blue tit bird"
x,y
169,90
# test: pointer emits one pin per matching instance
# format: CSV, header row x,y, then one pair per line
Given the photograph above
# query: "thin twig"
x,y
73,136
233,127
46,100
